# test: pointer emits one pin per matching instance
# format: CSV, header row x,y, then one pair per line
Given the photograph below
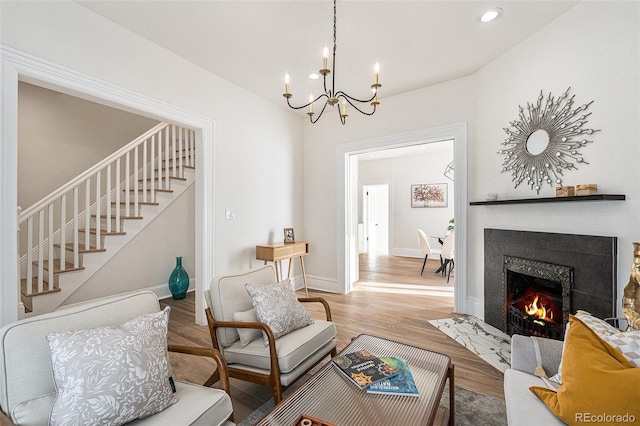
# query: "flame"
x,y
536,311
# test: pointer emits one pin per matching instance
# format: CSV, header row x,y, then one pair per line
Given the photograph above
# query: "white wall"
x,y
259,163
400,173
60,136
599,62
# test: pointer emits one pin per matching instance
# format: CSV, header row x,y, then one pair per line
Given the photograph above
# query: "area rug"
x,y
484,340
472,409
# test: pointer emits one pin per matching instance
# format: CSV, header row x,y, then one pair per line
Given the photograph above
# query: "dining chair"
x,y
448,252
427,248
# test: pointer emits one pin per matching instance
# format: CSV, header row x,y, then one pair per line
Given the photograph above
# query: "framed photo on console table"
x,y
429,195
288,235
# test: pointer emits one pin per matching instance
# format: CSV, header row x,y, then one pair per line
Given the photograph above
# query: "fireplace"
x,y
567,272
536,297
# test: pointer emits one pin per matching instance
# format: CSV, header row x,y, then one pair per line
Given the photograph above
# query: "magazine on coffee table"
x,y
363,368
400,384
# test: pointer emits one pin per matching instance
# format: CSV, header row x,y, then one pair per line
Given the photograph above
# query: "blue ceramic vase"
x,y
179,281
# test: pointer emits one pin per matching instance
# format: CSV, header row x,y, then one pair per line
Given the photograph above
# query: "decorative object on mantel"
x,y
587,189
565,191
179,281
631,296
332,96
545,141
429,195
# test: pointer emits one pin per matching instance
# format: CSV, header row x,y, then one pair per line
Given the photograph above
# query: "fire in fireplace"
x,y
537,297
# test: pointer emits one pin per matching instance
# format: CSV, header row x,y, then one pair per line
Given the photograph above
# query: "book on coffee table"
x,y
363,368
400,384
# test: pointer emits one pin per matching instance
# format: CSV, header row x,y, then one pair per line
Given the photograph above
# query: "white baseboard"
x,y
475,307
406,252
315,282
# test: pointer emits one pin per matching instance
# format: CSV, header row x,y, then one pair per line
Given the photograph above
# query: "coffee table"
x,y
330,396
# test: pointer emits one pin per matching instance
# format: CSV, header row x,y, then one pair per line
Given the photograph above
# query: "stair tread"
x,y
102,231
113,216
81,248
149,189
56,266
45,287
164,177
141,203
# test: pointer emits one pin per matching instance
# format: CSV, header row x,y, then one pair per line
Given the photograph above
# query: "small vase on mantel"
x,y
179,281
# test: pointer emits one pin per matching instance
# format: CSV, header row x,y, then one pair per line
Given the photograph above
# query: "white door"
x,y
376,218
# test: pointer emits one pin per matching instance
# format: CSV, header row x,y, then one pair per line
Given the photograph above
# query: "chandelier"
x,y
331,96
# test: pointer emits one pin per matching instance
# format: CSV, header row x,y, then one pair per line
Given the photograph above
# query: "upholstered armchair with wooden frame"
x,y
283,360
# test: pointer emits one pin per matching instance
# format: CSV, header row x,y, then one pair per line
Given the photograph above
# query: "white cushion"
x,y
227,296
197,405
278,307
522,405
292,348
247,335
111,375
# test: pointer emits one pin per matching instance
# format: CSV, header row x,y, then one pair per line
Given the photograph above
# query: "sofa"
x,y
597,362
30,366
527,354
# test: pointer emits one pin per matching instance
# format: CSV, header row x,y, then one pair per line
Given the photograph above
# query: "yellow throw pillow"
x,y
600,386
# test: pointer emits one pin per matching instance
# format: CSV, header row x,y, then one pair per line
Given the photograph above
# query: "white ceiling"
x,y
253,43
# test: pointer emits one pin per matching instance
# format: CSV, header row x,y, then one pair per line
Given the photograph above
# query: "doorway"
x,y
375,216
348,200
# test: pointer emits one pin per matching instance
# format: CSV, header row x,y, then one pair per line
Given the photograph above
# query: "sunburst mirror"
x,y
546,141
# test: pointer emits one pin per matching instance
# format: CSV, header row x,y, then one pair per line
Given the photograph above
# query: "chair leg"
x,y
424,263
451,265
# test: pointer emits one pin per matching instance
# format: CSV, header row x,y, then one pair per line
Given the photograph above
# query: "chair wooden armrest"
x,y
221,373
327,309
4,420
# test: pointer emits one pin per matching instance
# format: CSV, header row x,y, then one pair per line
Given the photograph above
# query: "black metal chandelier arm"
x,y
319,115
324,95
351,98
356,107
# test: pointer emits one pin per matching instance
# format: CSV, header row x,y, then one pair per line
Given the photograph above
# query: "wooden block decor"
x,y
587,189
565,191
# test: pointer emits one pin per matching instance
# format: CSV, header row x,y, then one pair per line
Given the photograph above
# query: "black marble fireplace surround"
x,y
592,258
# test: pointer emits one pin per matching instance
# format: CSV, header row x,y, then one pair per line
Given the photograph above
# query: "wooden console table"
x,y
277,252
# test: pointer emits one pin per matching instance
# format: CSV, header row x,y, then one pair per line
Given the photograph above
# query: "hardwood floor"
x,y
391,300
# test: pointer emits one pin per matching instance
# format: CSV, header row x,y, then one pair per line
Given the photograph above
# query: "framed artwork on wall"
x,y
429,195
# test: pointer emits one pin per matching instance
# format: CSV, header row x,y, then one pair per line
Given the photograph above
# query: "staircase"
x,y
69,235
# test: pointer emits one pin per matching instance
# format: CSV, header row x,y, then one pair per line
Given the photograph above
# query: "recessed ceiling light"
x,y
491,14
314,76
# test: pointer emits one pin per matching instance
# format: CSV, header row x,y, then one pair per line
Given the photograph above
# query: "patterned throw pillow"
x,y
247,335
111,375
277,306
628,343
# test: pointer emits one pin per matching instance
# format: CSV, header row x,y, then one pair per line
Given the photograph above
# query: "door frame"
x,y
348,184
20,66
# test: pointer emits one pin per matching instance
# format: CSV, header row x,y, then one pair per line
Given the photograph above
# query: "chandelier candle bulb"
x,y
311,104
287,80
325,57
344,108
376,70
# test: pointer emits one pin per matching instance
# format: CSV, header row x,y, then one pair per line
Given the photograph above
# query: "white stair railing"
x,y
102,196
